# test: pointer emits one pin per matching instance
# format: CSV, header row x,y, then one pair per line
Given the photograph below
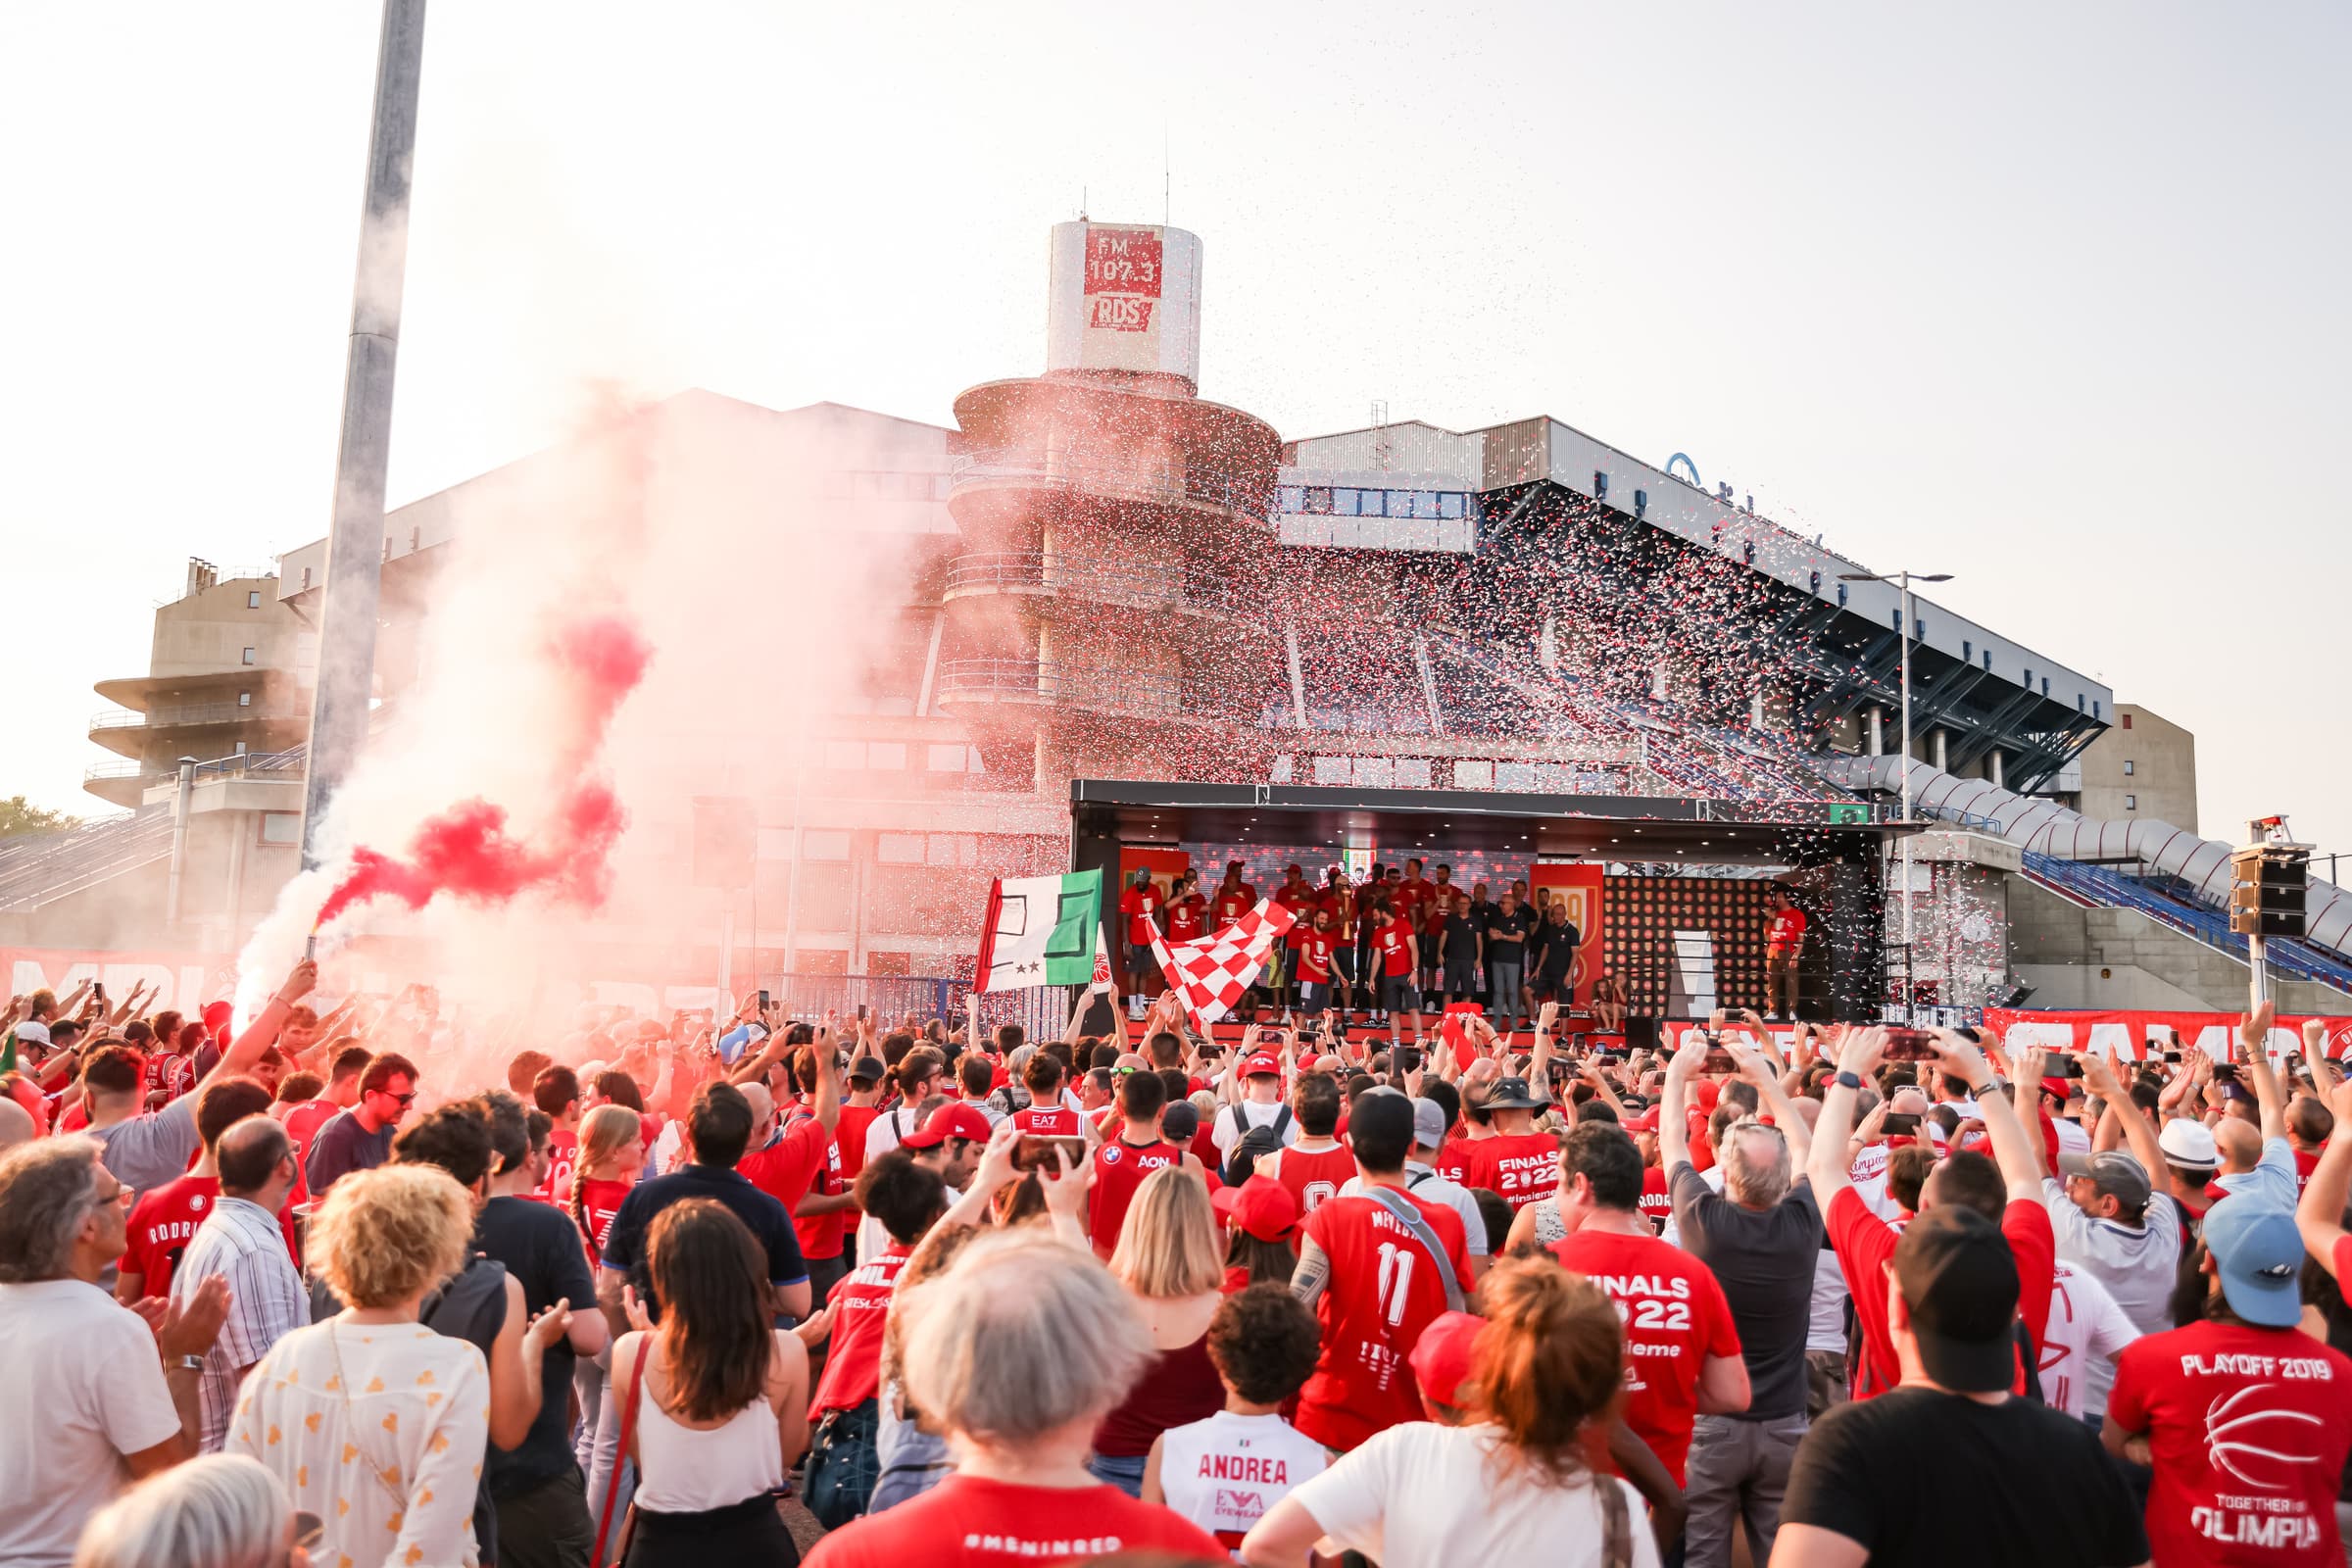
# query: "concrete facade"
x,y
2078,956
2143,766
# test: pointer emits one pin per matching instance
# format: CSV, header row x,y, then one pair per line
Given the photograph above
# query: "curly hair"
x,y
382,1236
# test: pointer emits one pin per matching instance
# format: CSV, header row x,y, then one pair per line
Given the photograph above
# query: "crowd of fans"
x,y
876,1293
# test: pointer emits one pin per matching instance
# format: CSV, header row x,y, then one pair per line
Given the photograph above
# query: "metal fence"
x,y
1042,1011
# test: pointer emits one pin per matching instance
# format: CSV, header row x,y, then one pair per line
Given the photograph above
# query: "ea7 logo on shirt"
x,y
2245,1441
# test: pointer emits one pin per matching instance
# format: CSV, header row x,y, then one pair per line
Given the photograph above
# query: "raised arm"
x,y
2324,1075
2013,1151
1756,1067
2254,1035
1674,1137
1826,1164
261,1034
2321,1214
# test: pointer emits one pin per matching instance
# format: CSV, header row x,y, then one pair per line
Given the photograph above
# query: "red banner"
x,y
2129,1034
1581,887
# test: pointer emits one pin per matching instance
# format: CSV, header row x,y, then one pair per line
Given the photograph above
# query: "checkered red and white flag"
x,y
1209,973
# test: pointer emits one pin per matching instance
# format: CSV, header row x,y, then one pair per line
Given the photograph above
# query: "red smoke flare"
x,y
467,850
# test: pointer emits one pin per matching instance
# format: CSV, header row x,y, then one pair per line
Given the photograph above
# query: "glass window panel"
x,y
944,758
1425,503
1318,500
897,849
887,755
1344,502
1289,498
848,756
1449,506
824,844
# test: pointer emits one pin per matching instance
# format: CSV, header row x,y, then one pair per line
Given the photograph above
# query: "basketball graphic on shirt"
x,y
2251,1442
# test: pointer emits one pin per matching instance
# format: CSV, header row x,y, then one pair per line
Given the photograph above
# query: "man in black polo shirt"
x,y
719,1124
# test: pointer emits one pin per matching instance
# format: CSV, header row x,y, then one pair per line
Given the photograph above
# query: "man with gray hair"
x,y
98,1395
1761,1238
241,1244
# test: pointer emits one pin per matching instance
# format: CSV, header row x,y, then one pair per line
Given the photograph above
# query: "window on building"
x,y
824,844
1400,503
249,653
952,849
2131,802
944,758
2094,709
847,756
1450,505
1289,498
244,698
1841,596
1987,659
1345,503
2045,685
2028,680
252,598
1369,504
899,848
1968,651
889,756
2127,718
281,827
1318,500
2128,767
1899,620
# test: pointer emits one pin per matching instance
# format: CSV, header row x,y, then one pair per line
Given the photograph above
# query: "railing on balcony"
x,y
1251,497
108,770
1034,571
1108,691
191,714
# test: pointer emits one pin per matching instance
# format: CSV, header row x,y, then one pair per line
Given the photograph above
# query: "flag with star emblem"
x,y
1043,931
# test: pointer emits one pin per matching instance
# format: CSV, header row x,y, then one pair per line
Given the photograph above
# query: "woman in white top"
x,y
724,1405
369,1419
1510,1485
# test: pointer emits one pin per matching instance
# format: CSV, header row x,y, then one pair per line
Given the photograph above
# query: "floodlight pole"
x,y
355,541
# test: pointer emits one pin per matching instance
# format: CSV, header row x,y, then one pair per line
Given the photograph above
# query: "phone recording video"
x,y
1909,1045
1900,1123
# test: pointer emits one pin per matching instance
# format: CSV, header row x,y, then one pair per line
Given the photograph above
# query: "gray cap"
x,y
2113,1173
1429,1125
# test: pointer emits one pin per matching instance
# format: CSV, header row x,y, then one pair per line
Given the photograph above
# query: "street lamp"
x,y
1903,579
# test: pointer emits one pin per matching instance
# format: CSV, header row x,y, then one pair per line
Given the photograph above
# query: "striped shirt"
x,y
242,1243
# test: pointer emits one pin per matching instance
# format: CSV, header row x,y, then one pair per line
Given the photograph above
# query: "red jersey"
x,y
1299,900
562,1152
2250,1428
1675,1318
1186,917
599,1202
302,1121
1787,930
804,1159
853,1352
1380,1294
1048,1122
849,1136
164,1221
966,1522
1231,903
1519,1168
1314,1177
1119,1169
170,1077
1657,1201
1865,1244
1410,897
1314,958
1140,905
1341,904
1439,905
1394,942
1453,1160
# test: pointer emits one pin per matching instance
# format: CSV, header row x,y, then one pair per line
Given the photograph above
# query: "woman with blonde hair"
x,y
717,1397
221,1510
1512,1483
1174,1274
369,1419
1017,1353
610,1154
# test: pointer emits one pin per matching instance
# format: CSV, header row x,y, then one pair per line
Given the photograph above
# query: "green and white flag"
x,y
1043,931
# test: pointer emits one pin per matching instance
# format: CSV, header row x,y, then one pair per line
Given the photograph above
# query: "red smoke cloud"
x,y
467,850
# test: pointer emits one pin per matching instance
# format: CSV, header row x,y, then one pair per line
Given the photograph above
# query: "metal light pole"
x,y
355,541
1903,580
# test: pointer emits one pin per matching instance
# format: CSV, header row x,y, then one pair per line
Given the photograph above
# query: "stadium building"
x,y
1132,627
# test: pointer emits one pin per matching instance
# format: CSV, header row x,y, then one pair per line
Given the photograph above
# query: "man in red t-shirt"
x,y
1682,1349
1366,1265
164,1219
1784,946
1188,909
907,1200
1518,1163
1233,899
555,1091
1398,952
1048,1115
801,1167
1122,1163
1140,904
2245,1419
2006,1190
1313,959
1315,1167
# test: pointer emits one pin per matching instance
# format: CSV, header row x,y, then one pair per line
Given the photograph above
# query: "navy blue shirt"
x,y
771,1225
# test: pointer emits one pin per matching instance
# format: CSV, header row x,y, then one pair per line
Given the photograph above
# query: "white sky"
x,y
2051,297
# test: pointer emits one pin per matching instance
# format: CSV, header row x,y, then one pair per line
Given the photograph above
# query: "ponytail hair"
x,y
603,1133
1550,1357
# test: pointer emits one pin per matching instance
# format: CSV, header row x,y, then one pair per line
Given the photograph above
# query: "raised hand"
x,y
191,1325
548,1327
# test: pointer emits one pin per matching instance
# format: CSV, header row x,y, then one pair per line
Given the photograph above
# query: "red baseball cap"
x,y
1441,1359
1261,1064
216,1019
2063,1088
956,1119
1646,1122
1260,1206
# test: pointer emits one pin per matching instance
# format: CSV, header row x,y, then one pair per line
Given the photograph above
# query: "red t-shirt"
x,y
1119,1169
1299,900
1314,958
2305,1165
599,1202
302,1121
2250,1428
854,1354
1674,1316
1788,929
1186,916
1232,904
1314,1177
849,1136
789,1168
1408,896
1048,1122
1139,905
563,1151
1378,1295
1519,1168
1453,1159
1865,1244
164,1221
1393,941
966,1522
1658,1199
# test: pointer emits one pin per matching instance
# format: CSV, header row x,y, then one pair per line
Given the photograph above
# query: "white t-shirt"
x,y
885,1132
1226,1472
2087,1331
1825,1319
2072,1139
84,1386
1422,1182
1422,1496
1235,1120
